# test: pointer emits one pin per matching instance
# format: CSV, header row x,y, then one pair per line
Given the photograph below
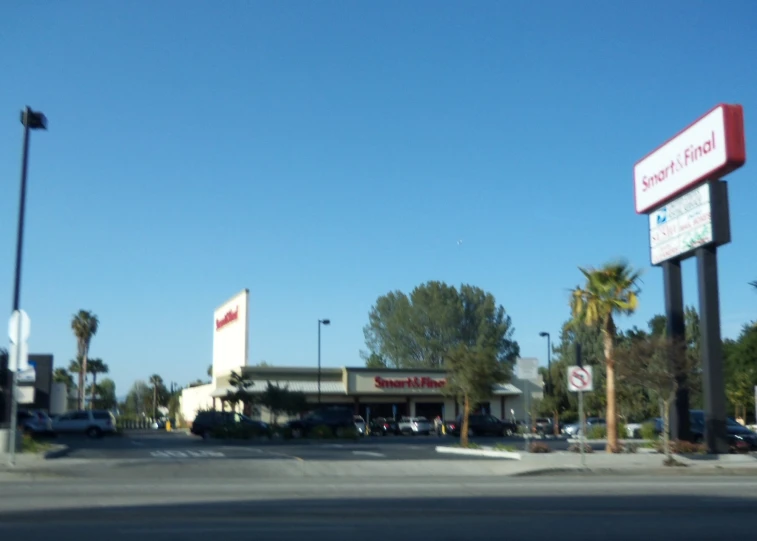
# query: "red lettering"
x,y
231,315
691,154
424,382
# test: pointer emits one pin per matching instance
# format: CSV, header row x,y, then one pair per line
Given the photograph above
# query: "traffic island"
x,y
488,452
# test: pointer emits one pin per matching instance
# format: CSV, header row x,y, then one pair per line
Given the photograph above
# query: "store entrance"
x,y
429,410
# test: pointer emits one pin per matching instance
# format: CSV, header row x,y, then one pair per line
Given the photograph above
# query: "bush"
x,y
503,447
680,447
648,431
576,448
321,432
630,448
283,432
348,433
539,447
599,432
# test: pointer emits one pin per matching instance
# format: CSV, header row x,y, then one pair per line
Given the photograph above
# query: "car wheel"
x,y
94,432
508,432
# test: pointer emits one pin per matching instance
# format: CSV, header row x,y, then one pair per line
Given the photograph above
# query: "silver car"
x,y
35,422
415,425
360,425
93,423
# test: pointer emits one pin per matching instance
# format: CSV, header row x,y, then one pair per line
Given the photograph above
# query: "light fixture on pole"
x,y
320,322
549,361
31,120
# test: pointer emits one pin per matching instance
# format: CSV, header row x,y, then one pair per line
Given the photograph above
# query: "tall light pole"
x,y
31,120
549,361
320,322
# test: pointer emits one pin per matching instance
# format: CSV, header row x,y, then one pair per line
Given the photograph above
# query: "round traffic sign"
x,y
579,378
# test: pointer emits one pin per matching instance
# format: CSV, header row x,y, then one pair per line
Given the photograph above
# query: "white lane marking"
x,y
367,453
187,454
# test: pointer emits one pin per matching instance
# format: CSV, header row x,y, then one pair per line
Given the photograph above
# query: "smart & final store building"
x,y
371,392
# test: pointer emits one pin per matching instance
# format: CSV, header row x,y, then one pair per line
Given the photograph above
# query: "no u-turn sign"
x,y
580,379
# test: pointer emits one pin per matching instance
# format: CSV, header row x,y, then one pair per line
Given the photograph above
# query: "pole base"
x,y
5,441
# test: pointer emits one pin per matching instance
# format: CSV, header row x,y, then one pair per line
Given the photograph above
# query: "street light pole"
x,y
549,361
31,120
320,322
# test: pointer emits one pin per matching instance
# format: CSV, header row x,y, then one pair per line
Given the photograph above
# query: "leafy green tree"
x,y
740,370
84,325
419,330
139,398
472,370
609,291
241,392
106,394
210,370
655,363
157,382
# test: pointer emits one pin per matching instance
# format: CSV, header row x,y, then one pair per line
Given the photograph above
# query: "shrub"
x,y
680,447
648,431
629,448
470,445
539,447
283,432
321,432
503,447
576,448
348,433
599,432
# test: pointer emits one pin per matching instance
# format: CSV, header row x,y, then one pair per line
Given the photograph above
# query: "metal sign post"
x,y
581,380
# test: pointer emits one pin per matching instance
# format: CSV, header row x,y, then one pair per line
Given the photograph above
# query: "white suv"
x,y
93,423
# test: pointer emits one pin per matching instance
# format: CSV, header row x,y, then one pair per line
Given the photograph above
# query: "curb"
x,y
478,452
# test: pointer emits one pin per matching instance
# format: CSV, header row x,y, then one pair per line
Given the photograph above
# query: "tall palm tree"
x,y
95,367
610,291
84,324
156,381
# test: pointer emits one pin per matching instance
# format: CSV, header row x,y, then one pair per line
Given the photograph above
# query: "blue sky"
x,y
324,153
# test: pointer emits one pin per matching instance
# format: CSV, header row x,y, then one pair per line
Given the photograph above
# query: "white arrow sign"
x,y
580,379
19,318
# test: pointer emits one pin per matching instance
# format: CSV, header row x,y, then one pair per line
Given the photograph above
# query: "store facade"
x,y
377,392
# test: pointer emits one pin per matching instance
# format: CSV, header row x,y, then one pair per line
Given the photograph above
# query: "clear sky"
x,y
324,153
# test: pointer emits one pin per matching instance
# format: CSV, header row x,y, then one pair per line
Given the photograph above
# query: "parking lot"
x,y
162,446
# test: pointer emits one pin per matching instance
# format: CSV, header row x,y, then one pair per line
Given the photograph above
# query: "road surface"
x,y
192,508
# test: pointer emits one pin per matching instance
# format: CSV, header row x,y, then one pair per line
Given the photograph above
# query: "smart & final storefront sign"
x,y
416,382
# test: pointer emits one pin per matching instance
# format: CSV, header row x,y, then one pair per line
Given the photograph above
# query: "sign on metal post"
x,y
580,379
19,330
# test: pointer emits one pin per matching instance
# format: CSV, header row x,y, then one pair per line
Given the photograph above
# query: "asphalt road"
x,y
160,445
471,509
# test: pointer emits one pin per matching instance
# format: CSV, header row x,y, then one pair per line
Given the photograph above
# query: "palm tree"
x,y
609,291
156,381
84,324
95,367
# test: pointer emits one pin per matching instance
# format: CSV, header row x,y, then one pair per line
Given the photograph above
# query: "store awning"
x,y
506,389
307,387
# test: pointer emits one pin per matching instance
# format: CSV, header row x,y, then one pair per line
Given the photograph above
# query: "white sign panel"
x,y
681,162
19,318
580,378
22,355
527,369
231,334
681,225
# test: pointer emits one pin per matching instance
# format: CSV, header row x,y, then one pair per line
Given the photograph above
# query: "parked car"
x,y
415,425
35,422
545,426
208,421
482,425
740,438
337,419
360,425
382,426
93,423
574,430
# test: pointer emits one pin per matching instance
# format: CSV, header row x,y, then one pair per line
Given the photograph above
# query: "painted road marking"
x,y
187,454
367,453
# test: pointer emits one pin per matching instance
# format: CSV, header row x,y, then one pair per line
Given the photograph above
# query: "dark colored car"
x,y
381,426
740,438
336,418
482,425
208,421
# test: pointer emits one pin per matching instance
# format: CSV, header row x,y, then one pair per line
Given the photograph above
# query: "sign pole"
x,y
582,440
676,330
